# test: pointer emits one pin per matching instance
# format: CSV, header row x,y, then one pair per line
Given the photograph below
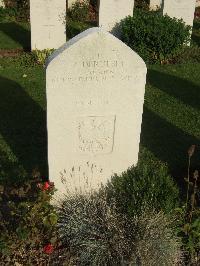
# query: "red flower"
x,y
48,249
46,186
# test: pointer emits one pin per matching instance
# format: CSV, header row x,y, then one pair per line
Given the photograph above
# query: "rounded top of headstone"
x,y
96,32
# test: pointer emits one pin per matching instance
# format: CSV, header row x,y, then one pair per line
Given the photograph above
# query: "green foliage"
x,y
10,170
188,55
155,37
8,14
188,216
27,223
143,4
188,228
32,59
148,184
41,56
155,241
98,234
19,8
73,28
23,7
79,11
77,19
196,30
26,60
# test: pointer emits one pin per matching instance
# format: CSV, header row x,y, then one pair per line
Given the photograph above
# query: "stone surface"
x,y
71,2
155,4
197,3
2,3
112,12
180,9
95,93
47,24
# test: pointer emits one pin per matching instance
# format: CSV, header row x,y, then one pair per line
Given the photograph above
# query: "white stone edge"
x,y
79,37
70,42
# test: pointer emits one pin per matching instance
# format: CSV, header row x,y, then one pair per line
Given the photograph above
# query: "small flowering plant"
x,y
188,216
48,249
28,223
46,186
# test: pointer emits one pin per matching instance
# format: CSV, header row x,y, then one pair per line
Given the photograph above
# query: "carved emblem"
x,y
96,134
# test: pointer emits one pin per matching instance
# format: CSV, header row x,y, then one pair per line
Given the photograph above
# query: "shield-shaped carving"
x,y
95,134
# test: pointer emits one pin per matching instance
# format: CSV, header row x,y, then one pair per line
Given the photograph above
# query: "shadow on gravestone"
x,y
179,88
23,126
17,33
168,143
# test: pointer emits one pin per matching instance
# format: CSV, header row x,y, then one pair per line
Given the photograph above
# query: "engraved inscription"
x,y
99,70
181,3
102,63
96,134
91,102
92,77
50,32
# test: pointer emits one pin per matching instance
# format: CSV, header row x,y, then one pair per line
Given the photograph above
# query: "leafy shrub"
x,y
27,224
79,11
26,59
154,37
98,234
143,4
73,28
155,241
41,56
31,59
21,7
78,17
148,184
10,171
8,14
196,31
188,55
94,4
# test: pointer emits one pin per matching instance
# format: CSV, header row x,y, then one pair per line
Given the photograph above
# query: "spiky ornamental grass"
x,y
93,230
155,242
98,234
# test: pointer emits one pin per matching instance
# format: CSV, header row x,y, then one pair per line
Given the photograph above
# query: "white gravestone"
x,y
2,3
180,9
155,4
71,2
95,94
47,24
111,12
